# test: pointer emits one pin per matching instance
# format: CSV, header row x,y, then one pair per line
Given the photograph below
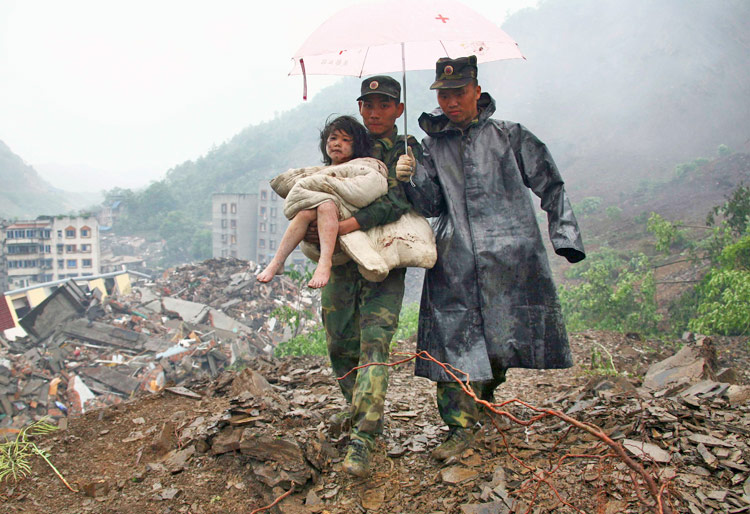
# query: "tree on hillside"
x,y
720,303
183,241
723,296
615,292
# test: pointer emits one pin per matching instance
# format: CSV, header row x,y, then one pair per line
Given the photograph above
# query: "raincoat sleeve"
x,y
425,195
394,204
541,175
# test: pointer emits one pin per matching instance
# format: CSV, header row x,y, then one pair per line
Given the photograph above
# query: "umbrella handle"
x,y
403,79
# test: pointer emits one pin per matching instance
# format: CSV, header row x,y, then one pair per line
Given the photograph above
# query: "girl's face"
x,y
339,147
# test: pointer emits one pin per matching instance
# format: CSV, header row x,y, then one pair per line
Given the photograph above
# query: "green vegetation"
x,y
156,214
615,293
687,168
618,291
599,364
735,211
588,205
668,235
722,298
311,343
408,321
613,212
15,455
296,316
314,342
723,305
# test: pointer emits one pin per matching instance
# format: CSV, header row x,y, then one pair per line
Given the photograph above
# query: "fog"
x,y
99,94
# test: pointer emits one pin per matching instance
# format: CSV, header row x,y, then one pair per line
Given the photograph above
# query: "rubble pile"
x,y
688,421
135,252
86,350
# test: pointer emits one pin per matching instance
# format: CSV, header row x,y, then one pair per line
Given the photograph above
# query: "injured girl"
x,y
350,181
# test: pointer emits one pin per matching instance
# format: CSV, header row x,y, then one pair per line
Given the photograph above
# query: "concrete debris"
x,y
85,349
693,362
62,304
646,451
681,416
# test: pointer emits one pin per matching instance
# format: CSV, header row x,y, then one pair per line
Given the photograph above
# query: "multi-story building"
x,y
111,212
271,226
3,265
250,226
234,221
51,248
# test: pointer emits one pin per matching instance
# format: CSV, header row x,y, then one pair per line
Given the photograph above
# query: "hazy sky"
x,y
98,93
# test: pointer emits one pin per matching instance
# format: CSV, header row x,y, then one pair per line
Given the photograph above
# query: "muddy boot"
x,y
357,460
459,439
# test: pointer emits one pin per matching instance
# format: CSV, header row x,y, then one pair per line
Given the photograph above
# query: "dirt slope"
x,y
115,456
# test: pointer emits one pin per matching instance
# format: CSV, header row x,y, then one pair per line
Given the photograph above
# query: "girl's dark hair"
x,y
361,143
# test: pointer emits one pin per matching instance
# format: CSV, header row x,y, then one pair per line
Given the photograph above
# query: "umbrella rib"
x,y
364,60
444,49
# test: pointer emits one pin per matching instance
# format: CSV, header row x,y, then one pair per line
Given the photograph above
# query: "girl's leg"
x,y
291,238
328,229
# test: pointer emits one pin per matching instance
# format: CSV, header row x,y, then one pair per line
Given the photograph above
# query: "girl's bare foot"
x,y
320,277
267,274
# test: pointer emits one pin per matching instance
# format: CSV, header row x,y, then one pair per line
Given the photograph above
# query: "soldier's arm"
x,y
425,194
392,205
540,174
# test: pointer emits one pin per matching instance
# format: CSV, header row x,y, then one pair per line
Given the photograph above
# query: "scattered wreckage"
x,y
85,349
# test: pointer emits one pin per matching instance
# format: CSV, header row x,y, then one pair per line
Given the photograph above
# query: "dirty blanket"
x,y
406,242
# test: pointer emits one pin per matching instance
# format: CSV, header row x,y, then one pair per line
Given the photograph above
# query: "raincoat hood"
x,y
437,123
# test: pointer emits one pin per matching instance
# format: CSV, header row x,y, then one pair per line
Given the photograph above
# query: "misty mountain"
x,y
24,194
622,91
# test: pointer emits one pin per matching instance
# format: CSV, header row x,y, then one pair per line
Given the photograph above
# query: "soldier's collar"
x,y
388,140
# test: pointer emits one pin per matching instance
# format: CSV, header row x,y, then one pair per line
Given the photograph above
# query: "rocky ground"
x,y
242,439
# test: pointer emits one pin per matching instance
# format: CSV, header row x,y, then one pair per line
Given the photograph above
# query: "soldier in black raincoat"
x,y
489,303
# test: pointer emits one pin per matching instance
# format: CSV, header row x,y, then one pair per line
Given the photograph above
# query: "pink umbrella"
x,y
392,35
387,36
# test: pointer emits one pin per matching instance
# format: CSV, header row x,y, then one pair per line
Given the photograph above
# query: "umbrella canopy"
x,y
388,36
392,35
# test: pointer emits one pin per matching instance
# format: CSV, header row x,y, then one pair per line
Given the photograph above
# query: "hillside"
x,y
24,194
623,91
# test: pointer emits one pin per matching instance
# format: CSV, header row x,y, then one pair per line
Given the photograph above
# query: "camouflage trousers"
x,y
360,318
457,408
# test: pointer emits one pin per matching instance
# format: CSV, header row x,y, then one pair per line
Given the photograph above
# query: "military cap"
x,y
453,73
381,85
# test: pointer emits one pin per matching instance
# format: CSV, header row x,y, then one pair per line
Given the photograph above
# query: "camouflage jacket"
x,y
390,207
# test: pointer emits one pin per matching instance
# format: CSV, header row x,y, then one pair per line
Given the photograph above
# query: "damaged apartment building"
x,y
48,249
250,226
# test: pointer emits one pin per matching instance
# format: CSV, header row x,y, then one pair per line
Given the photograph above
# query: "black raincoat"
x,y
490,303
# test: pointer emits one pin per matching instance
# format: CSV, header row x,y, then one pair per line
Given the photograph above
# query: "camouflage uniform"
x,y
457,408
359,316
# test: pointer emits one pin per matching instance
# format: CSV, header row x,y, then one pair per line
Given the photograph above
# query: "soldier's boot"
x,y
357,460
459,439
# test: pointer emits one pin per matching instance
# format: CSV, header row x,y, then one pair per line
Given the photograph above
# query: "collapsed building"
x,y
88,346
